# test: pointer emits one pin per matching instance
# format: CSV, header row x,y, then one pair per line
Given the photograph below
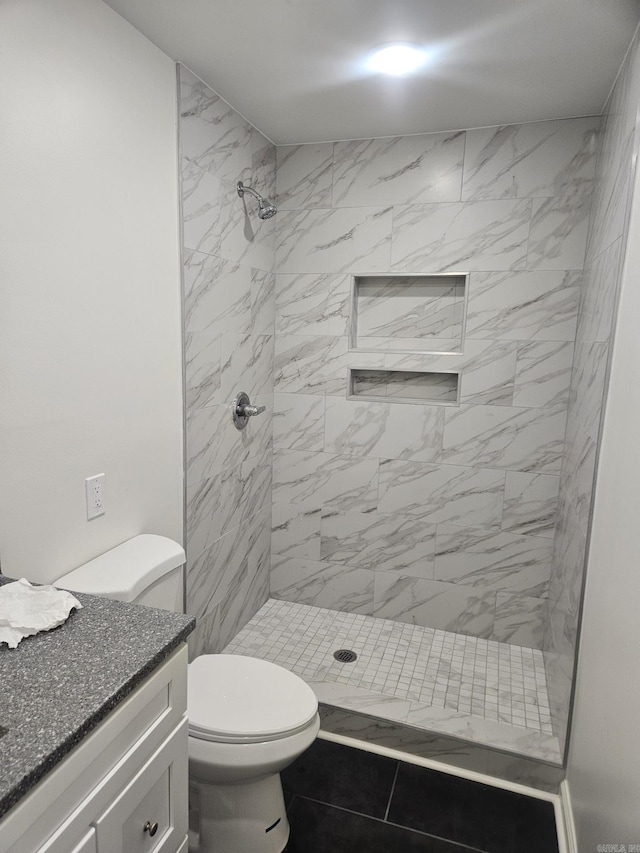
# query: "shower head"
x,y
265,208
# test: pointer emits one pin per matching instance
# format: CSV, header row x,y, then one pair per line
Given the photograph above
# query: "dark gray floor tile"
x,y
341,776
481,816
319,828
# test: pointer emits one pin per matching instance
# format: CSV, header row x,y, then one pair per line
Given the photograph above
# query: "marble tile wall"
x,y
438,515
587,393
229,302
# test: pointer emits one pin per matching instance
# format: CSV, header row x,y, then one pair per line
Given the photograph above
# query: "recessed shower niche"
x,y
415,314
404,386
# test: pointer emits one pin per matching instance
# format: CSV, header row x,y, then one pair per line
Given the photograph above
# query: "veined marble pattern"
x,y
202,212
225,500
487,371
383,430
550,158
496,749
229,301
543,374
435,680
409,307
323,584
441,493
312,304
447,606
608,234
496,436
220,570
212,134
530,503
318,479
334,241
578,473
217,294
310,364
295,531
203,368
252,582
493,559
479,235
378,542
247,365
263,164
599,295
263,309
588,386
298,421
421,168
520,619
558,235
523,305
615,166
304,175
425,346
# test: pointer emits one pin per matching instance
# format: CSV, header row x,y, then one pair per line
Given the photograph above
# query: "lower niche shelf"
x,y
404,386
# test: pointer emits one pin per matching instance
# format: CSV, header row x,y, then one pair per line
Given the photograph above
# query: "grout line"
x,y
396,825
421,665
393,788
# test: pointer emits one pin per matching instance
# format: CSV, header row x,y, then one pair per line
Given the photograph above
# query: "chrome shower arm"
x,y
242,189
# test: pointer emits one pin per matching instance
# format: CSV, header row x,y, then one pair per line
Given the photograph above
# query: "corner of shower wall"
x,y
228,315
590,374
438,515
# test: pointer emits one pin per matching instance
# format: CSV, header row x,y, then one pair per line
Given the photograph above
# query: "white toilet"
x,y
248,718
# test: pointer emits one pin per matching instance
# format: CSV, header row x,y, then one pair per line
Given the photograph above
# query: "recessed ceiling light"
x,y
397,59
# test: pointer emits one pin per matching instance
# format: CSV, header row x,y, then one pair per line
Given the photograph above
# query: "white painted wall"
x,y
89,285
604,767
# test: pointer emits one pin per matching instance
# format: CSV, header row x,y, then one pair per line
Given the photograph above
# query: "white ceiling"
x,y
294,68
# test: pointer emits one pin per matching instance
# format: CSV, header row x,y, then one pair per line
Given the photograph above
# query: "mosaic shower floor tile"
x,y
480,690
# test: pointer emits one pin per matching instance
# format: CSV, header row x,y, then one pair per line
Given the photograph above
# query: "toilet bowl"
x,y
248,720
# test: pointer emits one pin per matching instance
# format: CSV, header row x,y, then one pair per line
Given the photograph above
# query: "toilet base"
x,y
244,818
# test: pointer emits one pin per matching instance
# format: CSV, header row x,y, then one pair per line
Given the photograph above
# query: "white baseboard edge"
x,y
443,767
567,841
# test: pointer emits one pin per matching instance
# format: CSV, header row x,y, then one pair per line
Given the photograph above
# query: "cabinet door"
x,y
150,814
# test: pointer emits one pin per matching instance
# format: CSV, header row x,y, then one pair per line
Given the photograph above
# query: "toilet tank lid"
x,y
126,571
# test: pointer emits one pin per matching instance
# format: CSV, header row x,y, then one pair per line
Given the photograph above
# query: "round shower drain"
x,y
345,655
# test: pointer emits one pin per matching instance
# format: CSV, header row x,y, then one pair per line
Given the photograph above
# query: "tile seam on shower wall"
x,y
518,517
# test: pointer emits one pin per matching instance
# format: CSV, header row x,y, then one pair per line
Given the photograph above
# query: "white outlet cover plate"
x,y
94,492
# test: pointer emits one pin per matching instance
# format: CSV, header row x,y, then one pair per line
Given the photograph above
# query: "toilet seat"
x,y
238,699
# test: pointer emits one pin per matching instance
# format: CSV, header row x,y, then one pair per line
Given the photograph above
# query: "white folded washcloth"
x,y
27,610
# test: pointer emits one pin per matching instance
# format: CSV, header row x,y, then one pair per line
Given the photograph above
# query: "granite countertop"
x,y
58,685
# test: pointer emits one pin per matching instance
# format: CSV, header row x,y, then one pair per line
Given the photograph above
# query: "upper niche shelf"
x,y
401,313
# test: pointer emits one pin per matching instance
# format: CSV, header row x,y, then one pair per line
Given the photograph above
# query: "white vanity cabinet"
x,y
123,789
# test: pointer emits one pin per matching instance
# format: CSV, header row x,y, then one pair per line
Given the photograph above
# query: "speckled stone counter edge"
x,y
55,757
18,788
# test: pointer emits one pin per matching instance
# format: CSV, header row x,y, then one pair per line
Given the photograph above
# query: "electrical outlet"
x,y
94,490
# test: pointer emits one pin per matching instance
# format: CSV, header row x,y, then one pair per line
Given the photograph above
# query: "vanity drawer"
x,y
62,842
87,844
148,816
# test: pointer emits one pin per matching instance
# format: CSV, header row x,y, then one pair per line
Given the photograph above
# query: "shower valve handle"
x,y
249,411
242,410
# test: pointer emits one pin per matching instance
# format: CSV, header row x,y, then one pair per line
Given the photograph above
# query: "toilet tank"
x,y
147,569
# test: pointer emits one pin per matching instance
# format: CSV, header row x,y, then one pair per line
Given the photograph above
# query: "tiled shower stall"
x,y
409,319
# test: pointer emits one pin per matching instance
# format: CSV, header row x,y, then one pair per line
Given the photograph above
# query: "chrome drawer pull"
x,y
151,828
